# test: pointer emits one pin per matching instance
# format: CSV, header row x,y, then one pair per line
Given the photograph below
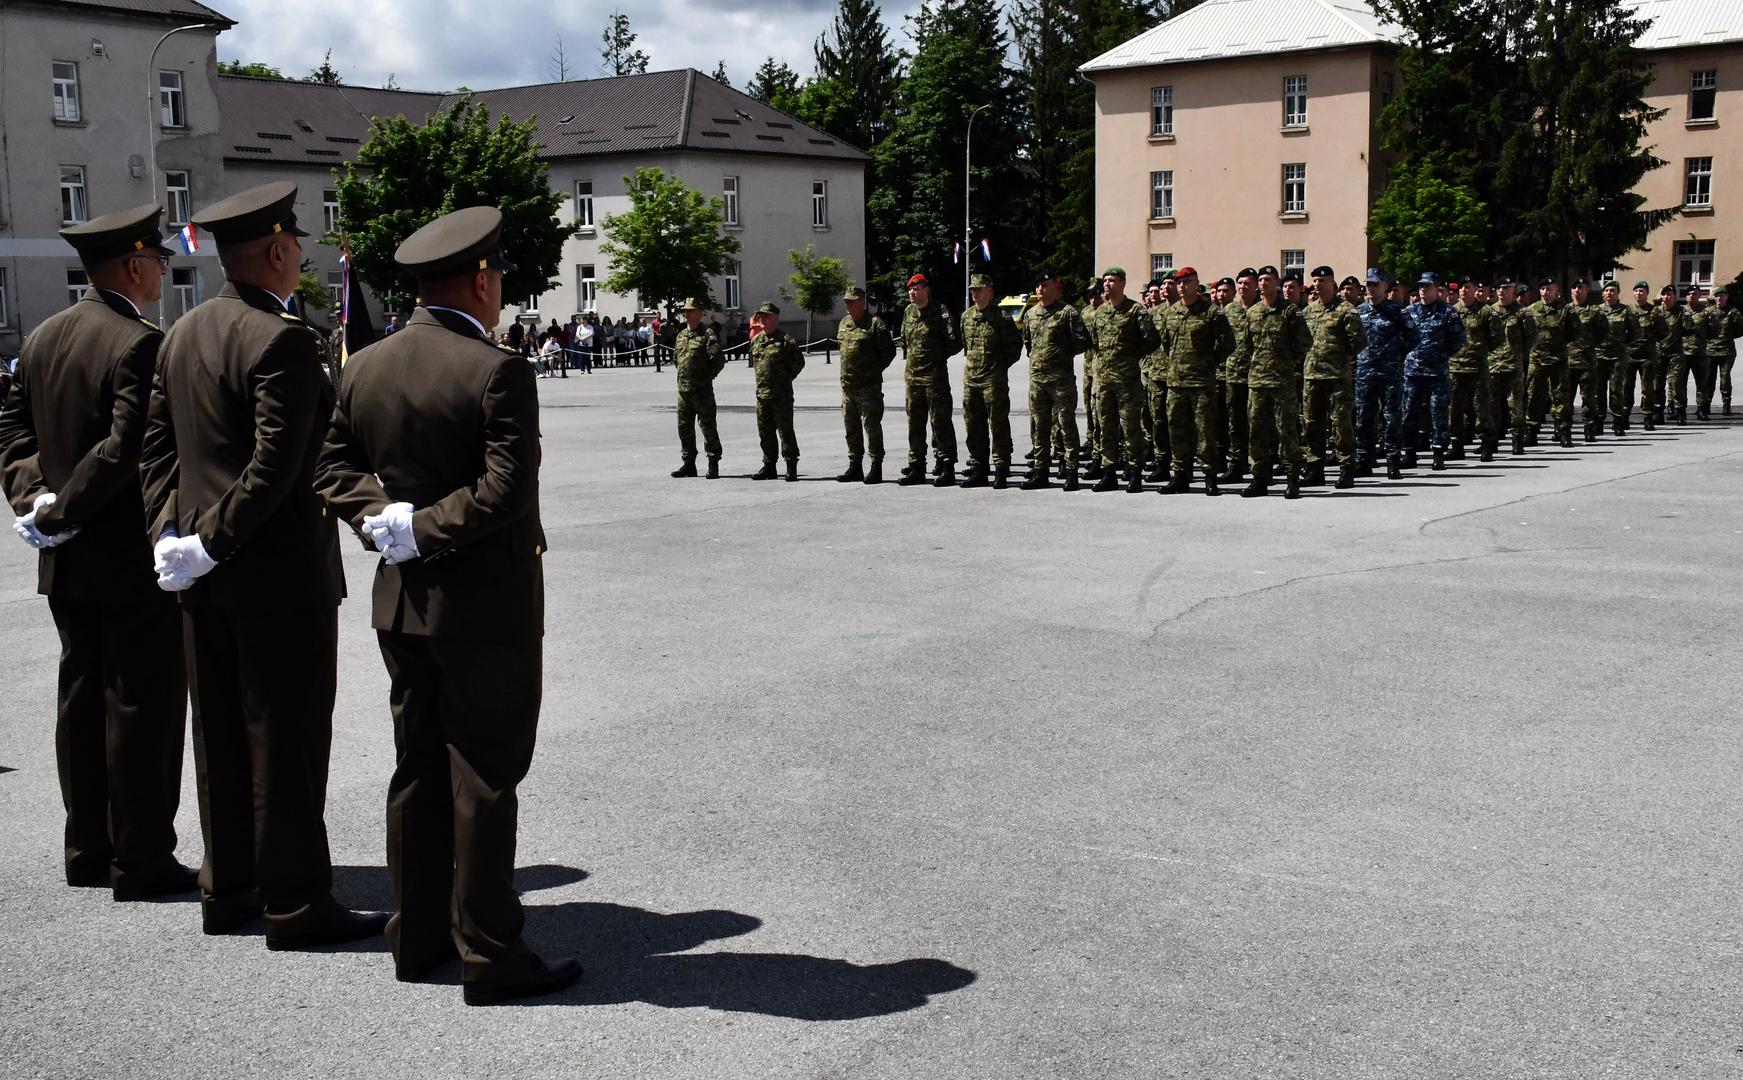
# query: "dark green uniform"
x,y
700,361
1615,354
1235,369
1154,371
1722,328
1509,408
1587,330
1641,367
1547,328
1124,333
1196,342
1280,341
1053,337
1669,349
867,350
778,361
1329,380
929,340
1469,369
991,343
1691,358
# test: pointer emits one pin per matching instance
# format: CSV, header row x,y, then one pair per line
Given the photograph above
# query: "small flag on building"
x,y
190,243
986,250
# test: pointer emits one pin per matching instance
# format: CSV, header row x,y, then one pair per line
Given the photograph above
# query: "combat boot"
x,y
1727,405
1109,479
1260,485
1617,427
792,470
1410,458
975,477
1292,483
1364,468
1037,478
1071,483
1134,481
853,473
1314,476
1182,481
686,469
1233,474
875,474
938,467
1703,413
1566,439
1210,483
1531,437
1439,459
1646,422
767,472
1001,477
1346,477
914,474
1456,452
1094,471
1393,472
714,467
1487,453
946,475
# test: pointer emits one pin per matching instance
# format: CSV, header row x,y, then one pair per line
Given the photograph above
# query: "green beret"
x,y
1642,285
1720,291
1114,271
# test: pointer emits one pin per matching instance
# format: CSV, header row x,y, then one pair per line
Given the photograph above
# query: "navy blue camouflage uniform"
x,y
1380,378
1440,332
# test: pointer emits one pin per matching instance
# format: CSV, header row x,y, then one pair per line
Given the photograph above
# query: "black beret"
x,y
1263,271
1323,271
1250,272
1229,281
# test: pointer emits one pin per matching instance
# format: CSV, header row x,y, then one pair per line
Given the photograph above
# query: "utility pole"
x,y
967,198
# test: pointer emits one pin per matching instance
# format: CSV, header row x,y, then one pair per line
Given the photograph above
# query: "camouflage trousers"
x,y
1470,407
862,413
1721,366
1716,366
1092,427
696,409
1274,425
986,414
1589,381
1507,406
1622,382
1157,418
1552,395
1660,382
775,417
1053,407
1677,382
1434,392
1379,404
930,402
1192,423
1120,403
1234,415
1330,406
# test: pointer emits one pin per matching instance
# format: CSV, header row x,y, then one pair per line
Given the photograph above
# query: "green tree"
x,y
720,75
774,84
618,52
668,244
311,293
1422,222
253,68
858,71
817,281
408,174
326,73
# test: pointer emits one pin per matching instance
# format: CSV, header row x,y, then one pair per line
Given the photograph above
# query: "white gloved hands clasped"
x,y
180,562
391,533
27,531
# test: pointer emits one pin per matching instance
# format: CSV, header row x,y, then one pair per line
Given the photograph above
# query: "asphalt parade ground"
x,y
1433,778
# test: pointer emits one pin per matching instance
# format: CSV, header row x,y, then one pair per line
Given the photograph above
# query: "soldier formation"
x,y
1251,379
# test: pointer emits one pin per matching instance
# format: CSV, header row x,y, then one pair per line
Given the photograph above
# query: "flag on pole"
x,y
956,253
986,250
353,309
190,243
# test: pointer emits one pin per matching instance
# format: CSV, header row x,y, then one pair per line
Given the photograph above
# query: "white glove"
x,y
180,563
391,533
26,528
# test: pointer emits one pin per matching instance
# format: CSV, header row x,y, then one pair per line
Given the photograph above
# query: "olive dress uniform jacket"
x,y
239,410
469,467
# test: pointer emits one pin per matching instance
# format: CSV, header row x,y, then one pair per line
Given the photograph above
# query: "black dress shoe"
x,y
417,968
170,880
92,875
229,915
548,980
323,922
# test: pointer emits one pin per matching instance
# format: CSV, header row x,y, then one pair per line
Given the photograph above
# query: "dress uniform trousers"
x,y
262,684
465,717
775,417
1330,406
119,734
862,412
696,408
986,414
929,401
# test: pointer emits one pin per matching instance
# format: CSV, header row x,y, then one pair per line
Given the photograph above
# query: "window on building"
x,y
1294,262
584,203
1295,101
819,204
1162,195
1699,189
1295,188
1703,89
185,283
1161,110
77,283
530,306
729,193
177,190
1161,264
66,90
1388,87
1694,262
336,288
734,288
172,103
5,308
74,207
586,288
330,209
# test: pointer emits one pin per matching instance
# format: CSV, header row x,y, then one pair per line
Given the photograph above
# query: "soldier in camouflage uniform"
x,y
929,339
1280,340
1470,375
1236,437
1330,379
1427,379
1053,335
1196,341
1723,324
1380,376
867,351
1641,364
1690,358
1669,345
1587,329
1092,420
991,343
1509,404
1124,333
1614,352
778,361
700,360
1548,324
1154,370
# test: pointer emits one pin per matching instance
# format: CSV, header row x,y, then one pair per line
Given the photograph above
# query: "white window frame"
x,y
1161,263
1698,182
336,288
187,292
172,100
729,200
178,190
1295,101
1694,263
530,306
1704,79
820,204
5,308
586,289
77,282
75,199
1388,87
1295,187
584,204
1162,195
66,91
1296,265
732,288
330,209
1161,110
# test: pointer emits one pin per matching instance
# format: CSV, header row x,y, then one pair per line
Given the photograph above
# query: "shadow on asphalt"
x,y
6,769
370,889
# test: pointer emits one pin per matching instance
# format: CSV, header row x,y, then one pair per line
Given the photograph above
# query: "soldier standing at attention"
x,y
1504,327
867,350
1380,376
1053,335
69,447
1691,358
1669,347
700,360
929,338
1439,334
1236,445
1154,370
1196,340
778,361
1642,363
1620,339
1280,340
1124,333
1351,290
239,408
1092,444
991,343
1330,374
433,458
1469,369
1587,329
1724,325
1548,324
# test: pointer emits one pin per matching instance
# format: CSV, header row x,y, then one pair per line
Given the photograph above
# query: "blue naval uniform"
x,y
1380,377
1440,332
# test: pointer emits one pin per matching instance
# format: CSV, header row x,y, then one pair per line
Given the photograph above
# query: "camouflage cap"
x,y
980,281
693,304
853,292
768,308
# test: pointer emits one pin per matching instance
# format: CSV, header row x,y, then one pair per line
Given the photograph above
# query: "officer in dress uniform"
x,y
433,458
239,408
69,445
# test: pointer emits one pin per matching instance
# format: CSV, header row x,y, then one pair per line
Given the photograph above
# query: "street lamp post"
x,y
153,91
967,196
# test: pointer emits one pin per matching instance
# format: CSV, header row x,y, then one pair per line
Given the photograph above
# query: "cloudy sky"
x,y
492,43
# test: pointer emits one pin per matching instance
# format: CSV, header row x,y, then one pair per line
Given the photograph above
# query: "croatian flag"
x,y
190,243
986,250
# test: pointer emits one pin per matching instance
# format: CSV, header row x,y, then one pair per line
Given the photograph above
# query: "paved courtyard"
x,y
1432,778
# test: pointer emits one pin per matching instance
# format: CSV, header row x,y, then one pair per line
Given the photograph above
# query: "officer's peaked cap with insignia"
x,y
249,215
126,232
462,242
